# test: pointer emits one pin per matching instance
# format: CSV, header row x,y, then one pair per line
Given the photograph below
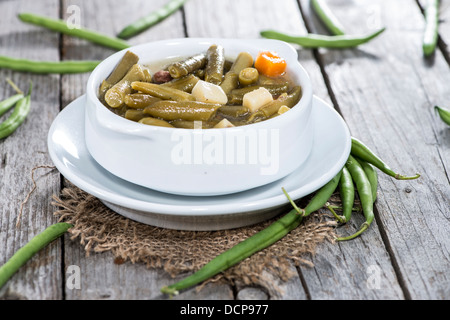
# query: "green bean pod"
x,y
444,114
30,249
162,92
314,41
263,239
120,71
115,96
139,100
234,111
361,151
327,17
47,67
186,110
365,195
17,118
151,19
347,193
186,83
231,80
187,66
215,65
7,104
372,175
430,37
63,27
155,122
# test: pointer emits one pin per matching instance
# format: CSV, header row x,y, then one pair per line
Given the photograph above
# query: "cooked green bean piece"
x,y
184,124
248,76
314,41
443,113
231,80
7,104
139,100
127,62
430,37
327,17
164,93
186,83
47,67
115,96
215,65
288,100
185,67
135,115
188,110
151,19
155,122
234,111
237,95
62,26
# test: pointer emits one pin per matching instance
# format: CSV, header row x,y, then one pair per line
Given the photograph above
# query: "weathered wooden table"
x,y
385,90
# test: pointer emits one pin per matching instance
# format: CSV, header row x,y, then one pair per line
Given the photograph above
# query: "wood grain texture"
x,y
385,91
25,150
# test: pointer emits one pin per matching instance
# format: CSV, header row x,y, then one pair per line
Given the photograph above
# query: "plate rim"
x,y
198,209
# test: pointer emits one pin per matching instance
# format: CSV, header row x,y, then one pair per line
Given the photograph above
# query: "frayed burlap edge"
x,y
99,229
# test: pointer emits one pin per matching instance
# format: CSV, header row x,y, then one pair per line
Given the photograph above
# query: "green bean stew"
x,y
205,91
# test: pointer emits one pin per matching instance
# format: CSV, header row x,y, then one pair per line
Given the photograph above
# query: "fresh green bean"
x,y
186,110
430,37
47,67
215,65
327,17
7,104
165,93
152,19
62,27
444,114
15,120
30,249
256,243
361,151
372,175
347,193
365,195
314,41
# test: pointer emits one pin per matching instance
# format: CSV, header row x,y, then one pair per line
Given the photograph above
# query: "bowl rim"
x,y
131,127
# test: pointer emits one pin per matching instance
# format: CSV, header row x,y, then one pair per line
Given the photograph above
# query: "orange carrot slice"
x,y
270,64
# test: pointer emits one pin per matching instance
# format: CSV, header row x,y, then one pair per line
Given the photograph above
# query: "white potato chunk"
x,y
209,93
256,99
224,124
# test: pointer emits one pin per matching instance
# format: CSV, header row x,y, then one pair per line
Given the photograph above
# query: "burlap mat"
x,y
99,229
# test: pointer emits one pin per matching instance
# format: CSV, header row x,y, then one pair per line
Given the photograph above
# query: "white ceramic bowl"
x,y
200,162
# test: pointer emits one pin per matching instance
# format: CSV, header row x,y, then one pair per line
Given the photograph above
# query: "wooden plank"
x,y
26,149
412,215
100,277
327,279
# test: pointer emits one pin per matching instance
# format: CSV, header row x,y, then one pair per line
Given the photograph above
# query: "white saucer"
x,y
67,148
